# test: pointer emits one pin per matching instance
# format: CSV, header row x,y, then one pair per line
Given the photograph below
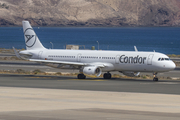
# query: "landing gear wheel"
x,y
107,76
155,77
81,76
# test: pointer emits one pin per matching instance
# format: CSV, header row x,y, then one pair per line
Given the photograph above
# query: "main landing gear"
x,y
107,75
155,76
81,76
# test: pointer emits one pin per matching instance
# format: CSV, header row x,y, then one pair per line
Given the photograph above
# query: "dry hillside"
x,y
90,12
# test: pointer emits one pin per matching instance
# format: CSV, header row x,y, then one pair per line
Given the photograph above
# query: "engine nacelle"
x,y
92,70
131,74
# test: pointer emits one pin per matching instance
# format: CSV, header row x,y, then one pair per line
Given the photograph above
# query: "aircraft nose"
x,y
171,65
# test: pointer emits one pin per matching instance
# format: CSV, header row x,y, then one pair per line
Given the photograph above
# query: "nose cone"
x,y
171,66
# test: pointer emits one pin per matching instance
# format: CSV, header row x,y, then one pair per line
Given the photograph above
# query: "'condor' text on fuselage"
x,y
130,59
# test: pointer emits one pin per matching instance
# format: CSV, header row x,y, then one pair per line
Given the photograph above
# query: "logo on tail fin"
x,y
30,37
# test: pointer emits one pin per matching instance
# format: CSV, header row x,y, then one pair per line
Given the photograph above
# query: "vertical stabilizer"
x,y
31,39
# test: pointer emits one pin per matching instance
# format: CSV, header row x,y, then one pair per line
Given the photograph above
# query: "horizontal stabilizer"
x,y
22,55
17,54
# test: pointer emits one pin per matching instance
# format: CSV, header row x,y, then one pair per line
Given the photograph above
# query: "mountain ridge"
x,y
90,12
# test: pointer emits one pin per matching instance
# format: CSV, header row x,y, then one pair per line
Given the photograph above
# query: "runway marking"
x,y
88,79
41,77
169,83
69,79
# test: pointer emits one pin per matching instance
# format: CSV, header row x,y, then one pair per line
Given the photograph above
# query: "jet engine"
x,y
92,70
131,74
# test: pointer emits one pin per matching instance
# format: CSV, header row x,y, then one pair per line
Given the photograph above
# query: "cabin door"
x,y
117,59
79,57
150,59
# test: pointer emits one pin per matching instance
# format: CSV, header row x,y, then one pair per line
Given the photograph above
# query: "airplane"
x,y
94,62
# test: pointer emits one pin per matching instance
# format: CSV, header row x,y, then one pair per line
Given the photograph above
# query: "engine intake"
x,y
92,70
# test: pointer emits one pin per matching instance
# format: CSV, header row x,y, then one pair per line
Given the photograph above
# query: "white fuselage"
x,y
93,62
115,60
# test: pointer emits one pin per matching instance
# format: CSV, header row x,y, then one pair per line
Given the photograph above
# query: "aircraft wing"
x,y
60,62
68,63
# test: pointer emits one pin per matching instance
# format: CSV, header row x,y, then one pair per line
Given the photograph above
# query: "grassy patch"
x,y
39,72
173,55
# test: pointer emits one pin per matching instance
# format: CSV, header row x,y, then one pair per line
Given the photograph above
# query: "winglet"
x,y
135,49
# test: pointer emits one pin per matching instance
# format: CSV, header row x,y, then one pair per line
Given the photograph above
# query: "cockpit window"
x,y
162,59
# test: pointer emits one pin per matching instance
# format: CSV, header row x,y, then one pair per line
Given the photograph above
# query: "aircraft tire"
x,y
155,79
81,76
107,76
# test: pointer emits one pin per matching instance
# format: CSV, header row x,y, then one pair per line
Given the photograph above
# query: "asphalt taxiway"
x,y
96,84
41,97
67,98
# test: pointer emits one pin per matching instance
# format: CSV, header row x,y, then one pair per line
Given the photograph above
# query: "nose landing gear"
x,y
155,76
